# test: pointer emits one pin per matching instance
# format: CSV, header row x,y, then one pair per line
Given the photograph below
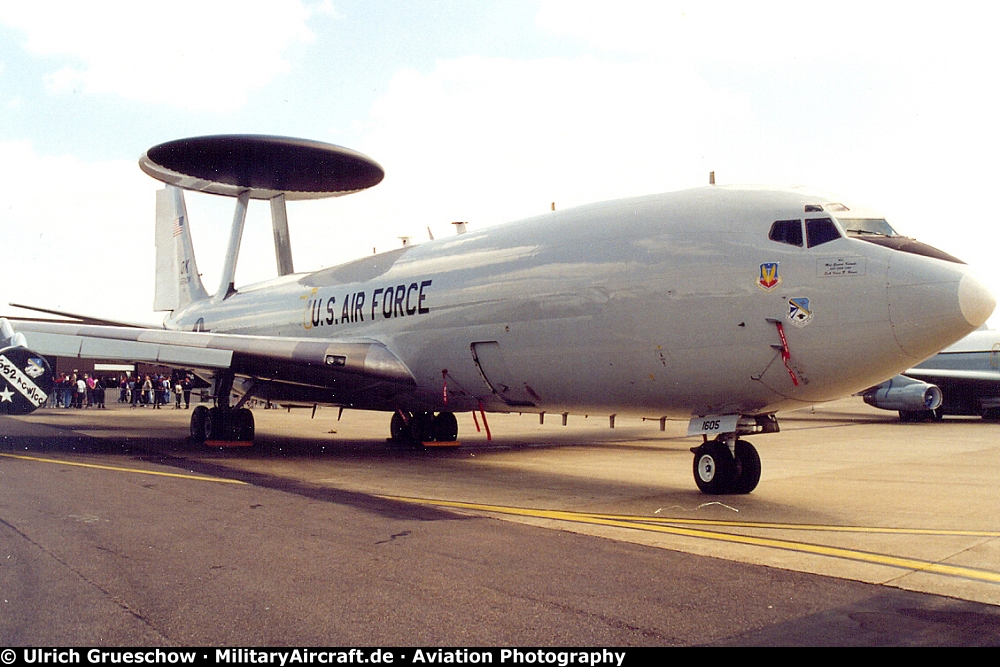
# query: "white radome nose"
x,y
933,303
975,300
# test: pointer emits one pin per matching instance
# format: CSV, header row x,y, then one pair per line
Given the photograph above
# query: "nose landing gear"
x,y
726,465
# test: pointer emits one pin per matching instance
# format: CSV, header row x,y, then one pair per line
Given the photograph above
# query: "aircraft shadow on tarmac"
x,y
446,464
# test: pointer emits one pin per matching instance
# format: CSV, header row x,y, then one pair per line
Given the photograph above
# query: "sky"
x,y
482,111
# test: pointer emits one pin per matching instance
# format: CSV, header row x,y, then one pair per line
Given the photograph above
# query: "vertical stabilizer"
x,y
177,280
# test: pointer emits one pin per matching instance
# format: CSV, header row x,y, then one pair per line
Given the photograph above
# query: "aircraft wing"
x,y
937,375
308,362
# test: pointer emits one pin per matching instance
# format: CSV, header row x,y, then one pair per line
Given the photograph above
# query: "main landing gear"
x,y
426,428
230,426
726,465
223,425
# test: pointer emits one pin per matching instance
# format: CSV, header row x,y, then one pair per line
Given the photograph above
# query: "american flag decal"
x,y
178,225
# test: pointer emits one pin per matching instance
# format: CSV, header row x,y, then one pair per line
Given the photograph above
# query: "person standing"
x,y
91,384
99,390
81,392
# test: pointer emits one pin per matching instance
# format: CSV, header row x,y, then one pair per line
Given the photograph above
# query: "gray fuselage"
x,y
663,305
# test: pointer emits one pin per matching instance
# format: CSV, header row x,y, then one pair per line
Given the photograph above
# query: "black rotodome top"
x,y
265,165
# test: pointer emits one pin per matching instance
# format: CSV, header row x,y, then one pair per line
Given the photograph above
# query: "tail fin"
x,y
177,280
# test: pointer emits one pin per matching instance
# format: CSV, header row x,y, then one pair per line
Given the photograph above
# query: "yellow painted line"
x,y
798,526
787,545
199,478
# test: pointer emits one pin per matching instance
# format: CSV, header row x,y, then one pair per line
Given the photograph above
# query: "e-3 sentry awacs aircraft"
x,y
719,305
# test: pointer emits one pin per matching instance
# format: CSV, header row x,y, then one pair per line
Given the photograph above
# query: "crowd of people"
x,y
76,390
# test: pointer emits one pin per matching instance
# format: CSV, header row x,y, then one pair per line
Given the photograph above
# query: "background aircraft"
x,y
963,379
721,305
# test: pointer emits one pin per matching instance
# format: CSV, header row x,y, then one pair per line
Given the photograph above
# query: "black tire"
x,y
445,427
714,468
198,417
747,468
219,424
243,425
399,430
422,427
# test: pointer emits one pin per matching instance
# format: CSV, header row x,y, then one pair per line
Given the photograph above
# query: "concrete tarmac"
x,y
863,531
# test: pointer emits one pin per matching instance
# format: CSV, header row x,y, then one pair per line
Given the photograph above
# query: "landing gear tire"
x,y
198,418
243,425
399,429
422,427
416,428
445,427
221,424
747,468
714,468
217,424
718,471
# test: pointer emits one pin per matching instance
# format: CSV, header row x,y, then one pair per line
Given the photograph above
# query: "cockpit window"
x,y
867,227
821,230
787,231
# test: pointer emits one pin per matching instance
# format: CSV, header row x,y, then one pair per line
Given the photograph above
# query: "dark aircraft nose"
x,y
933,303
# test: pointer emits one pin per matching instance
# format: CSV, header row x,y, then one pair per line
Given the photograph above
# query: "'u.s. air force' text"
x,y
388,302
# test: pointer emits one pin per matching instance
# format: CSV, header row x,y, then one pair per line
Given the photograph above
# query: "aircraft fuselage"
x,y
666,305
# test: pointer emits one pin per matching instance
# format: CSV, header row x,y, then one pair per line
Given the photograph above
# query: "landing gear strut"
x,y
425,428
726,465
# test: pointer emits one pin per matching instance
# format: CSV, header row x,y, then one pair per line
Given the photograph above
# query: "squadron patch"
x,y
799,313
768,278
25,381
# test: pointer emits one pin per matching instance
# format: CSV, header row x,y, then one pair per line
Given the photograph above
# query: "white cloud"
x,y
775,30
188,54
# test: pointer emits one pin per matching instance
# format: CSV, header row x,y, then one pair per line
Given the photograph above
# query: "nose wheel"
x,y
721,468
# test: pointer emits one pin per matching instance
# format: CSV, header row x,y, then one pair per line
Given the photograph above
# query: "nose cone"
x,y
933,303
977,302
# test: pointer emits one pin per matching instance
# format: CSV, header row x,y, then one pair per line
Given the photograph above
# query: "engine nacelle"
x,y
904,394
26,380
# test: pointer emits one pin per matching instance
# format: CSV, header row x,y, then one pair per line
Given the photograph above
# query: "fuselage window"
x,y
787,231
821,230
